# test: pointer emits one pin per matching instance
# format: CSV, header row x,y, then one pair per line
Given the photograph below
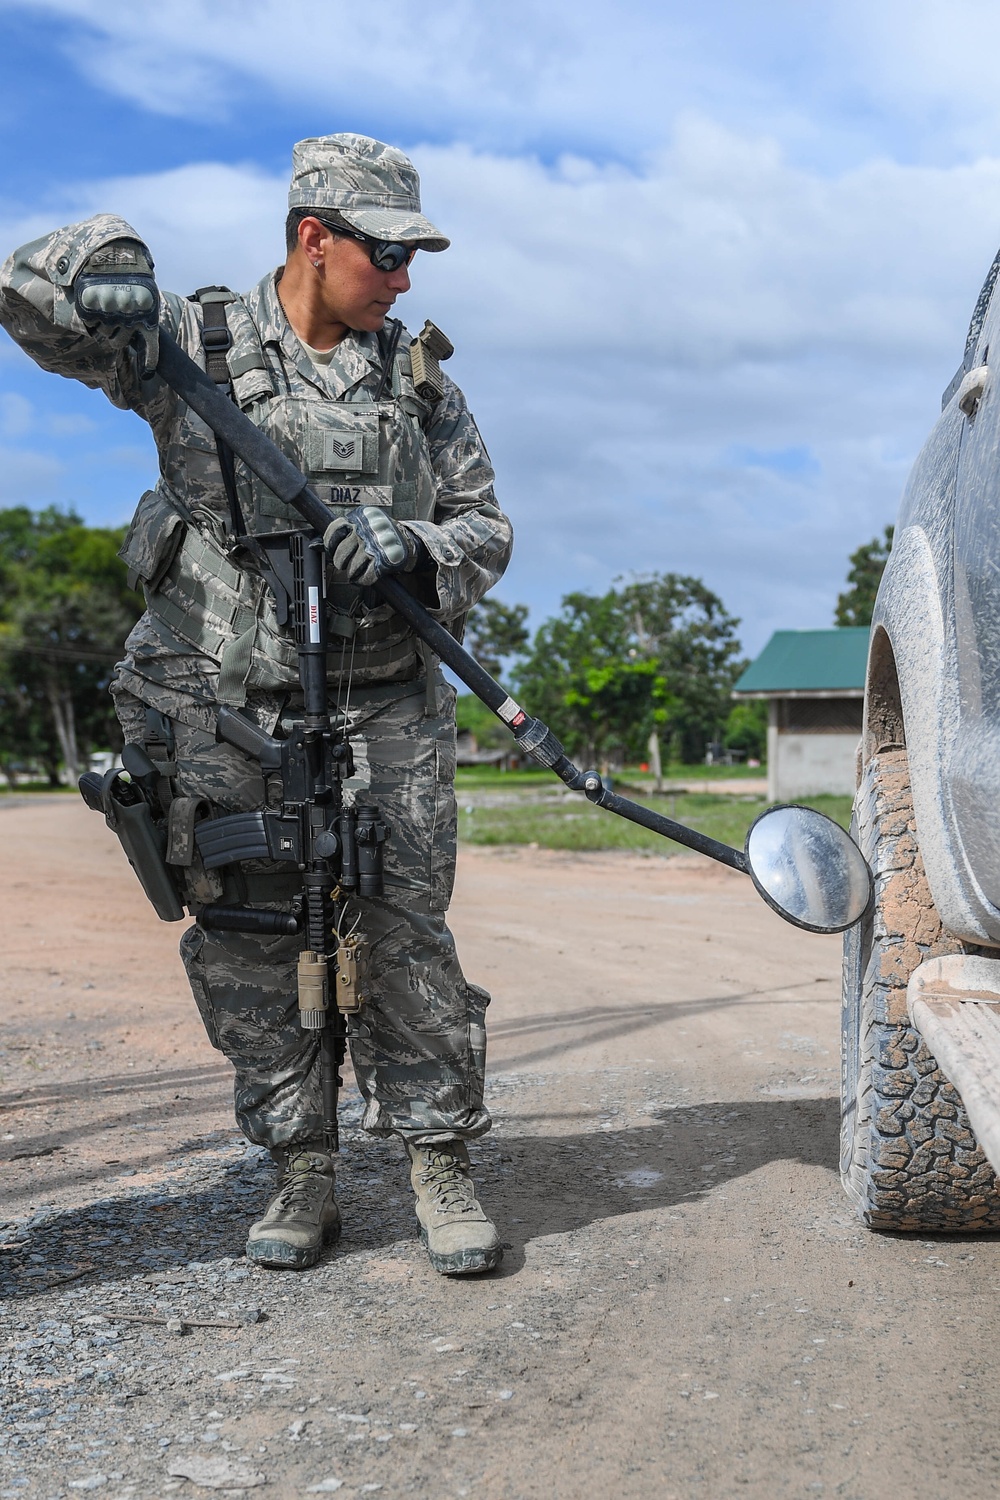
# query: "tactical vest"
x,y
358,449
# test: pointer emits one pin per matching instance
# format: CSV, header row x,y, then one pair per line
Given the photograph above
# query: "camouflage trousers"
x,y
418,1047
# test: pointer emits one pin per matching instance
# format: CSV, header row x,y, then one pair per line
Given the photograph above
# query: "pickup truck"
x,y
920,1140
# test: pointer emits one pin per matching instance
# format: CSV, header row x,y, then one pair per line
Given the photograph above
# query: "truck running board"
x,y
954,1002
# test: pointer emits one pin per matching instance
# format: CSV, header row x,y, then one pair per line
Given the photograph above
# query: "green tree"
x,y
496,632
687,630
65,610
746,729
26,731
473,717
856,603
657,653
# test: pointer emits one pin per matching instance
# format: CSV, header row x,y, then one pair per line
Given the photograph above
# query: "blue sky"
x,y
711,267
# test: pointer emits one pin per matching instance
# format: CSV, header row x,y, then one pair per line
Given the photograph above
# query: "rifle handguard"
x,y
216,918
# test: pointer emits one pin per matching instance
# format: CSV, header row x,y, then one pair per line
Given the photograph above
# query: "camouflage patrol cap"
x,y
374,187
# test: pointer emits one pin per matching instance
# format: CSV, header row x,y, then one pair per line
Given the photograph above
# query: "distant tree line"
x,y
651,662
653,659
655,655
65,610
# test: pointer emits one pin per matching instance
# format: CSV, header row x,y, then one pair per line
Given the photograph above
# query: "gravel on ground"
x,y
686,1305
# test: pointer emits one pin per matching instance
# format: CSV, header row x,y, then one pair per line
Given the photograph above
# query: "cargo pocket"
x,y
192,958
444,840
479,999
153,538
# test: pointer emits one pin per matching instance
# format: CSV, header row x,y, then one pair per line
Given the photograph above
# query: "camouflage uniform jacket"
x,y
204,597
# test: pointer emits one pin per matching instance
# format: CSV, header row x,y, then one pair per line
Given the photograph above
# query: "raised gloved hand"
x,y
115,291
366,544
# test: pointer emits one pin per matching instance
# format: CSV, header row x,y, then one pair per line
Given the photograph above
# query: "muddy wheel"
x,y
909,1159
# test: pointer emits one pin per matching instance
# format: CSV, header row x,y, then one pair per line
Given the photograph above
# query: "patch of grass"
x,y
491,777
35,786
571,823
677,771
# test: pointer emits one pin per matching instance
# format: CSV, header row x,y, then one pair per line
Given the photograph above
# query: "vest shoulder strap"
x,y
215,336
232,343
217,341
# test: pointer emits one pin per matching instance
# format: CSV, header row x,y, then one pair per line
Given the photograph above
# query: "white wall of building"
x,y
806,765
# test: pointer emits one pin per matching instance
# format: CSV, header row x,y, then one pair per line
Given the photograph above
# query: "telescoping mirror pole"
x,y
813,873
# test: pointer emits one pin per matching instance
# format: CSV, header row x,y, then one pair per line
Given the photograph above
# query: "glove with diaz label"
x,y
115,291
366,544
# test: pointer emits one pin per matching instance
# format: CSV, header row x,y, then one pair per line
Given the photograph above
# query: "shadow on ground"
x,y
534,1185
556,1034
43,1095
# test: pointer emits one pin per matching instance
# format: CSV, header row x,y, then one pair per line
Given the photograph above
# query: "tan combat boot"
x,y
459,1237
302,1216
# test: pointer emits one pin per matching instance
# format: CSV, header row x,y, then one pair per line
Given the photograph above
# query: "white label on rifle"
x,y
313,615
508,710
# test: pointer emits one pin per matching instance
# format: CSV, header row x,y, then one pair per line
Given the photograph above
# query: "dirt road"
x,y
686,1307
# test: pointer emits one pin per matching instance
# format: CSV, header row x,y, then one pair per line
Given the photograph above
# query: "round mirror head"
x,y
808,869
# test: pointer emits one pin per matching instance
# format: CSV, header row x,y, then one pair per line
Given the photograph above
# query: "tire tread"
x,y
910,1160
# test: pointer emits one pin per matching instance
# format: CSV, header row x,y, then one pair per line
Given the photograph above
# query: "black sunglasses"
x,y
385,255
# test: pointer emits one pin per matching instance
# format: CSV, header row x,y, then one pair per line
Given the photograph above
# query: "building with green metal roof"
x,y
814,662
814,684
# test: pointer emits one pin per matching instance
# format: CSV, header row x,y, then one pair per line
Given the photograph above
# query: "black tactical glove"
x,y
115,291
366,544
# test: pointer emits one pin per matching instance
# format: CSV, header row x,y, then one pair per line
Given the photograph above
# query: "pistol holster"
x,y
128,814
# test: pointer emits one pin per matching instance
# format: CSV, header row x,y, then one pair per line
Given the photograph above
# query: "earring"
x,y
317,264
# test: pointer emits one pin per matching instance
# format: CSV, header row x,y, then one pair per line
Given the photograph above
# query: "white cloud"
x,y
931,66
714,250
30,478
524,72
73,425
16,415
185,56
625,333
206,222
834,82
19,417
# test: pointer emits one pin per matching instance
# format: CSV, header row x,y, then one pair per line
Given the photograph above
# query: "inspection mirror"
x,y
808,869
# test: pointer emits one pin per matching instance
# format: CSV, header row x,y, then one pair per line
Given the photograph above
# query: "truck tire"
x,y
909,1159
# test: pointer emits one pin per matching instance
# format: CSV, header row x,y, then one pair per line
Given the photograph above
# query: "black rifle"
x,y
304,821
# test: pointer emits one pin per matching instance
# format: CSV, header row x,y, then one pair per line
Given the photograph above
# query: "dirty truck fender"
x,y
913,677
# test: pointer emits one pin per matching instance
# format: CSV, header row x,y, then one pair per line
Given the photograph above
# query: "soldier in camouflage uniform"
x,y
316,362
